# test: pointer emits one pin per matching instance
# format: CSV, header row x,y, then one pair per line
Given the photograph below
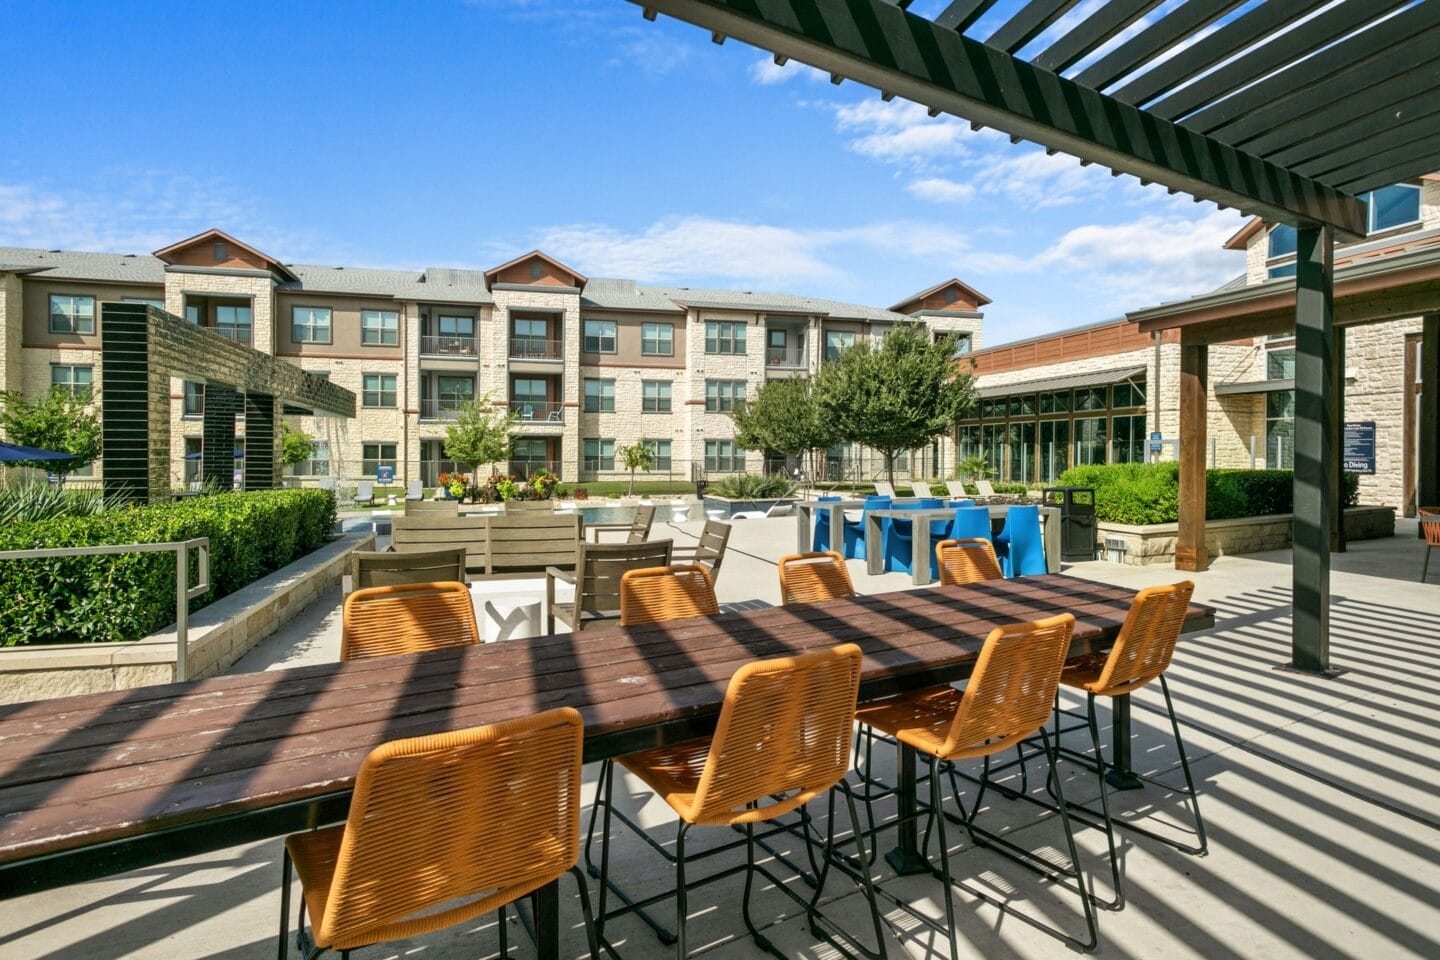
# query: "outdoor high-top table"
x,y
99,784
920,540
807,510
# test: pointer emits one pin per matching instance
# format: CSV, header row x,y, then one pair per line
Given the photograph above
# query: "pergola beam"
x,y
1028,23
1154,40
1092,33
1410,110
879,44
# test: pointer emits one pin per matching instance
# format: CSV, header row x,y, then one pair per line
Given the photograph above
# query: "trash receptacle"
x,y
1077,520
700,487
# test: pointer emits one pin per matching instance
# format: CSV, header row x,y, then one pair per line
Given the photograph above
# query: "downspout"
x,y
1155,390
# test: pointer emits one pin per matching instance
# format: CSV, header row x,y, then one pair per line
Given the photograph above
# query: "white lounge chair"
x,y
983,488
920,489
414,490
883,489
957,489
776,510
365,493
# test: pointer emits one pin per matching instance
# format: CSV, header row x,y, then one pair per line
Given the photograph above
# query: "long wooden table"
x,y
99,784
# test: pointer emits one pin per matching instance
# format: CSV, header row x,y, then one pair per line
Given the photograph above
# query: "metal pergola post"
x,y
1315,453
1427,486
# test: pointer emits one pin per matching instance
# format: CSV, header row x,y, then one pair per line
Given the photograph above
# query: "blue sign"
x,y
385,474
1357,448
1157,442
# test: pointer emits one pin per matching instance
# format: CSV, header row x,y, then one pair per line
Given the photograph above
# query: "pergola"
x,y
1283,109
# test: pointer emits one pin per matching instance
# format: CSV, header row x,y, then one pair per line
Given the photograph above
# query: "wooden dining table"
x,y
98,784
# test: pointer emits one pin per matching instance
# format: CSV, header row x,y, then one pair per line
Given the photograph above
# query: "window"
x,y
377,389
598,455
989,409
318,464
310,324
233,321
951,295
535,270
1393,206
454,392
379,328
721,395
1282,241
220,251
194,399
76,380
1089,441
599,336
962,344
1128,394
1053,455
455,326
157,304
1091,398
836,342
992,446
1280,430
530,453
528,390
1280,364
1284,270
721,456
599,396
71,314
192,314
658,340
1055,402
1021,437
530,337
1127,439
724,337
776,339
655,396
374,456
659,452
194,449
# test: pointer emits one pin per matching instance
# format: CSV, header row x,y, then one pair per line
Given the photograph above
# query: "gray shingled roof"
x,y
610,294
72,265
435,283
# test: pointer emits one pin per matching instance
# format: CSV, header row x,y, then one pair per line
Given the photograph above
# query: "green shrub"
x,y
1146,493
24,502
747,486
115,598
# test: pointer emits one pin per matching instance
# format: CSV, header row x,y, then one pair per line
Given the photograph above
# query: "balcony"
x,y
448,345
787,357
538,411
441,408
536,348
530,467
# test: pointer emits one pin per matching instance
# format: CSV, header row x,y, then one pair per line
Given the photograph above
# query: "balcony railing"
x,y
785,356
527,468
538,411
447,346
535,348
438,408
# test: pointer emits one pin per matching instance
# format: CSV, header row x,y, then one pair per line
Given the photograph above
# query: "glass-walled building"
x,y
1032,432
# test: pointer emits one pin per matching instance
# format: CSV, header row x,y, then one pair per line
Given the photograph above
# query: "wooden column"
x,y
1427,480
1315,450
1190,553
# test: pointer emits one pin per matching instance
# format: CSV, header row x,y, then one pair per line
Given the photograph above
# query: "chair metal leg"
x,y
284,946
504,933
1054,757
939,819
592,936
760,940
1203,845
1109,822
682,902
1425,568
602,797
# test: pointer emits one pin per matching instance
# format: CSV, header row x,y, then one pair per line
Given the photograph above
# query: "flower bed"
x,y
120,598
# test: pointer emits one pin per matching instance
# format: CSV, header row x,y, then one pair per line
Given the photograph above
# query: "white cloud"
x,y
767,72
687,249
941,190
1035,179
901,131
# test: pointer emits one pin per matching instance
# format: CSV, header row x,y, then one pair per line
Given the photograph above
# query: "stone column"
x,y
217,456
262,466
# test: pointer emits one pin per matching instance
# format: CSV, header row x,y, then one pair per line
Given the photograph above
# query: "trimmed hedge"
x,y
1145,493
117,598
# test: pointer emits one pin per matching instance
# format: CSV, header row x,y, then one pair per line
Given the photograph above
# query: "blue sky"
x,y
461,134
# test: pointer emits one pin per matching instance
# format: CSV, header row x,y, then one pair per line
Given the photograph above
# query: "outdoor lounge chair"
x,y
919,488
956,489
414,490
425,845
365,493
775,510
884,489
984,489
596,579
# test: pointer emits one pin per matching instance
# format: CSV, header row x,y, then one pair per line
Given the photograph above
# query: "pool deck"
x,y
1319,797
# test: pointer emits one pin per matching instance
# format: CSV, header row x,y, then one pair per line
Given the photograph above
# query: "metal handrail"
x,y
184,593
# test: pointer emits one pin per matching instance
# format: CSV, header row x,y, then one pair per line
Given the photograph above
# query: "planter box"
x,y
1155,543
732,507
219,634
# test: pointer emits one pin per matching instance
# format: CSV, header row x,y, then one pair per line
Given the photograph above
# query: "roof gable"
x,y
205,250
966,298
1241,239
535,269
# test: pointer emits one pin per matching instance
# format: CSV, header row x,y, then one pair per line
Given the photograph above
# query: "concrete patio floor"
x,y
1318,797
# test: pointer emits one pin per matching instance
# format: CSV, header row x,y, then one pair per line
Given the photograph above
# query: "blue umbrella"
x,y
13,453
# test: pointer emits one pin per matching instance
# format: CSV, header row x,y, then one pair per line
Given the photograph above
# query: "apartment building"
x,y
1098,394
586,364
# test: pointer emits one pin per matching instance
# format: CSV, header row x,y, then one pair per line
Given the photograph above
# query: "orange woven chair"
x,y
407,618
1431,529
1007,699
427,845
655,594
1141,654
967,561
782,740
813,577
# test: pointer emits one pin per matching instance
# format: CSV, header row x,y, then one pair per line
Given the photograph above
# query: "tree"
x,y
296,446
61,421
480,434
896,395
784,416
637,456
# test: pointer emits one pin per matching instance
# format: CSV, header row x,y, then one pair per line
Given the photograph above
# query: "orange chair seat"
x,y
672,771
1083,672
920,719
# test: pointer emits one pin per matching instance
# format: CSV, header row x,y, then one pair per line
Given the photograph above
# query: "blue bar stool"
x,y
854,530
1020,546
822,524
900,540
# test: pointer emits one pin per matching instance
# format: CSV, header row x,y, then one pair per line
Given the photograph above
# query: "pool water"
x,y
664,512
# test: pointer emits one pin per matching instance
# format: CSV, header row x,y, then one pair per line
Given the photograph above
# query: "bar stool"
x,y
407,618
966,561
813,577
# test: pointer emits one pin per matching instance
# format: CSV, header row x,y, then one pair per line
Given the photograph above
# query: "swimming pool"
x,y
618,513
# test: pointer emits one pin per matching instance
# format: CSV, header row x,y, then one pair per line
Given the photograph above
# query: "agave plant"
x,y
24,502
746,486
